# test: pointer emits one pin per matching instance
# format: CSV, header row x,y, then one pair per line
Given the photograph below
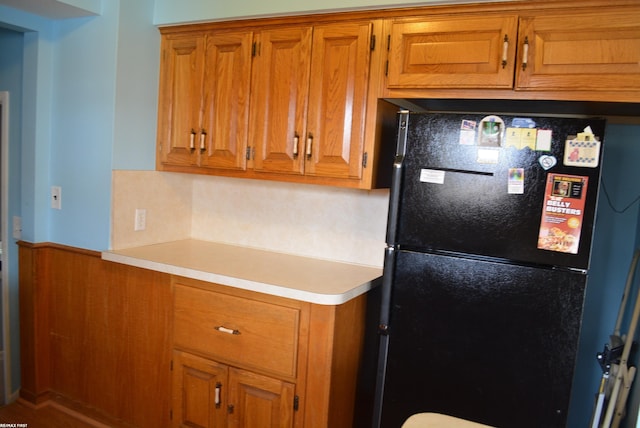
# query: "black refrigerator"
x,y
488,241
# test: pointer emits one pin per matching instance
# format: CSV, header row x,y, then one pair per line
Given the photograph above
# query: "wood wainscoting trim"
x,y
95,333
35,350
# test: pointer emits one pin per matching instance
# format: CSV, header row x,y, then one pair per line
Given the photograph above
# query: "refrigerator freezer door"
x,y
489,342
456,195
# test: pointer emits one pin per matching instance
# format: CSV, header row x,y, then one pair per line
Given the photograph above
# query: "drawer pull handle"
x,y
222,329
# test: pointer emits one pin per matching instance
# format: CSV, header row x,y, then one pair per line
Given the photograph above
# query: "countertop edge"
x,y
260,287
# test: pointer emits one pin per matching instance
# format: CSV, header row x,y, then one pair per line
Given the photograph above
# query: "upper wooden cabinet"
x,y
583,51
226,99
282,102
304,98
468,52
204,99
279,99
309,99
338,92
530,51
181,82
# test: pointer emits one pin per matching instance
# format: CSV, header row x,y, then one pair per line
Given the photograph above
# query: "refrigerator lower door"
x,y
489,342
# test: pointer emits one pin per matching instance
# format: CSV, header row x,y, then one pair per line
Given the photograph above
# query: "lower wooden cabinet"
x,y
197,397
259,401
247,359
136,347
210,394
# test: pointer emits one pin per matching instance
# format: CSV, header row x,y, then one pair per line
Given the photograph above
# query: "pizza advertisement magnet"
x,y
562,213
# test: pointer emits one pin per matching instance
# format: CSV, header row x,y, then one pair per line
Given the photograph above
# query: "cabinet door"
x,y
470,52
181,77
226,100
279,99
198,392
595,51
337,100
257,401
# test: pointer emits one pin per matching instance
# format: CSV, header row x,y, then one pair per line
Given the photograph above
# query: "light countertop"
x,y
302,278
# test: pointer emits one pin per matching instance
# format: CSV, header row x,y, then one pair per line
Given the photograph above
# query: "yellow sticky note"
x,y
528,138
513,137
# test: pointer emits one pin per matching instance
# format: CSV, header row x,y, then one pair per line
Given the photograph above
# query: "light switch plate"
x,y
17,227
56,197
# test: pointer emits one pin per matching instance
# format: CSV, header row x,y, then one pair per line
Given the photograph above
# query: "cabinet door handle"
x,y
505,48
296,141
203,135
217,397
222,329
192,140
525,53
309,144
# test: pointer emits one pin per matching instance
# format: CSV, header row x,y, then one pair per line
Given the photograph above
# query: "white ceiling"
x,y
53,9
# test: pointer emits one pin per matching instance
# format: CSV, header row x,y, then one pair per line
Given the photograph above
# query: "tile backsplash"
x,y
315,221
166,199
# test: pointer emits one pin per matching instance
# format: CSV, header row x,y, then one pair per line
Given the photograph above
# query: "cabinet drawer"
x,y
236,330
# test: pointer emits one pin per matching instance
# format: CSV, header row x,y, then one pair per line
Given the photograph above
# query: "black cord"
x,y
606,193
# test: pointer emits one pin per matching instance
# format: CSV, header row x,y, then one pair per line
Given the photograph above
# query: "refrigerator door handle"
x,y
383,333
394,202
396,178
